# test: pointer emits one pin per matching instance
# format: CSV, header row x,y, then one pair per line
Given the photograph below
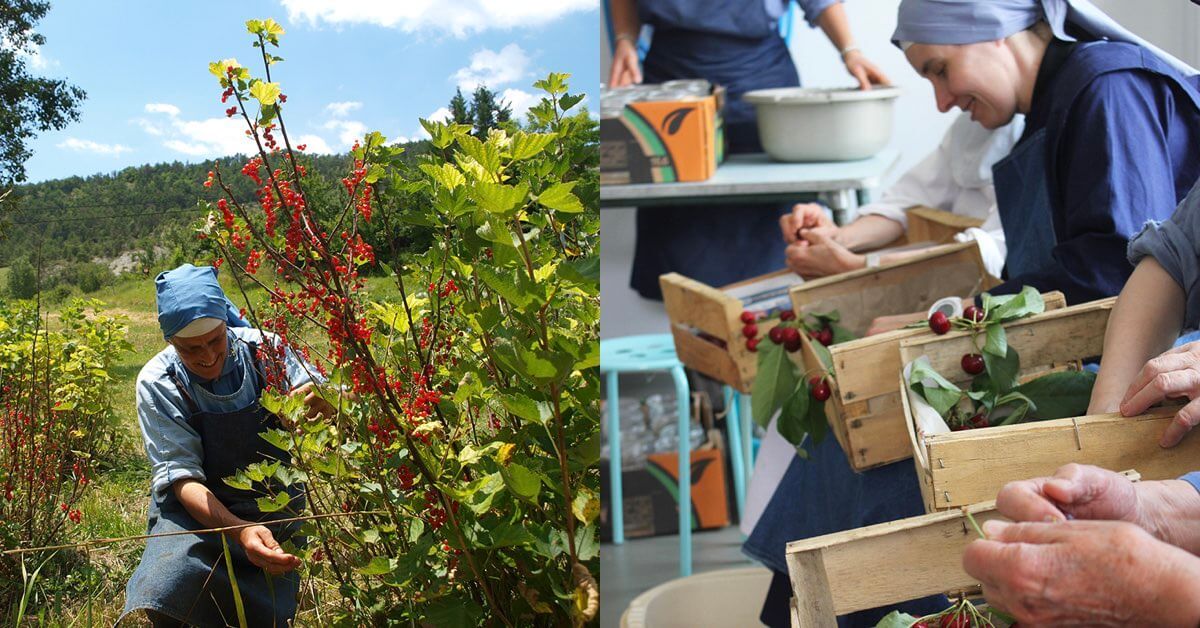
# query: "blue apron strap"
x,y
187,398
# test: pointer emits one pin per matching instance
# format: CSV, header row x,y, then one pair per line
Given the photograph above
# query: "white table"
x,y
756,178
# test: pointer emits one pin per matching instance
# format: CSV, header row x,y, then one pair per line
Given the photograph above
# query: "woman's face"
x,y
981,79
204,355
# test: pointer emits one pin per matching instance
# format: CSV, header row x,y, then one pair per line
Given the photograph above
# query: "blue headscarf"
x,y
188,293
953,22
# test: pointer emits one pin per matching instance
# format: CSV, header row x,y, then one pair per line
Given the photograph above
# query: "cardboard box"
x,y
661,133
650,499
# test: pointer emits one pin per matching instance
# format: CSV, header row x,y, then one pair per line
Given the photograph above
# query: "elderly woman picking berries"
x,y
198,406
1090,548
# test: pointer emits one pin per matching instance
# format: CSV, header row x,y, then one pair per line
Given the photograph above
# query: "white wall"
x,y
1173,25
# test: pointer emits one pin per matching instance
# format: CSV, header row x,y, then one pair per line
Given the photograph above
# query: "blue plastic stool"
x,y
656,352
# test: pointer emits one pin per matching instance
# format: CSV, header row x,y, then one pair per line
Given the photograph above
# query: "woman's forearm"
x,y
1144,323
624,18
836,26
869,232
203,506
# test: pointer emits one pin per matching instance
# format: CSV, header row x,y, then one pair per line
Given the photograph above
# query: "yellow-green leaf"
x,y
447,175
559,197
526,145
498,198
585,505
265,93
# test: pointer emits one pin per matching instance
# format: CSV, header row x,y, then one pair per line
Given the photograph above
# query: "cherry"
x,y
939,323
747,317
791,339
973,363
825,336
776,334
819,388
787,315
957,428
979,420
752,344
750,330
973,314
955,620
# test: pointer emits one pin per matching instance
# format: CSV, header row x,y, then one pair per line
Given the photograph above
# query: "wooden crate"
x,y
883,564
926,224
970,466
865,413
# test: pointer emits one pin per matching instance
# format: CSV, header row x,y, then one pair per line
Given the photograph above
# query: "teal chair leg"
x,y
734,431
614,462
747,434
684,398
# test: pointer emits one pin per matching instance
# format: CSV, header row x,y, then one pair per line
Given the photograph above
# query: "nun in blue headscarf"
x,y
1111,129
198,407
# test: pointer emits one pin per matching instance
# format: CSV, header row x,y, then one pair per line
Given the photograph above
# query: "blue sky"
x,y
351,66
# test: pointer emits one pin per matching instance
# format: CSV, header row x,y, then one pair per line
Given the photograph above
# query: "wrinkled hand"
x,y
805,216
625,67
1081,491
1172,375
315,403
865,72
263,551
896,321
1085,573
819,255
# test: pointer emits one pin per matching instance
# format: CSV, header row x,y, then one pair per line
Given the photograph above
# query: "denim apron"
x,y
715,244
185,577
1023,185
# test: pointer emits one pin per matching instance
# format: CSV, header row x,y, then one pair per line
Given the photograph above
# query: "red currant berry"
x,y
747,317
973,363
939,323
750,330
973,314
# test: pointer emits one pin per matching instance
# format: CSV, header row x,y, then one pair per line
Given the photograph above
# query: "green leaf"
x,y
792,422
587,543
537,366
776,379
239,481
526,408
586,505
896,619
446,175
937,391
1060,395
1003,370
265,93
559,197
266,504
378,566
521,481
1013,306
509,534
525,145
581,272
487,155
816,423
997,340
498,198
278,438
508,286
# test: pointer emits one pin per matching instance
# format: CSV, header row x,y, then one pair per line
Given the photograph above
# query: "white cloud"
x,y
459,18
342,109
31,52
215,137
441,114
88,146
349,131
158,107
493,68
313,144
519,101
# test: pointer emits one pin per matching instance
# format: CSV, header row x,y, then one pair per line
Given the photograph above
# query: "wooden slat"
x,y
972,465
867,367
886,563
712,360
878,439
1040,340
693,304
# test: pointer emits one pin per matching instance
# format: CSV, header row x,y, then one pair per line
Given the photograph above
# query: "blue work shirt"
x,y
750,19
1125,154
172,445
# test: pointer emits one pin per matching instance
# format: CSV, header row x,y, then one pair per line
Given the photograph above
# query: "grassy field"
x,y
93,589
